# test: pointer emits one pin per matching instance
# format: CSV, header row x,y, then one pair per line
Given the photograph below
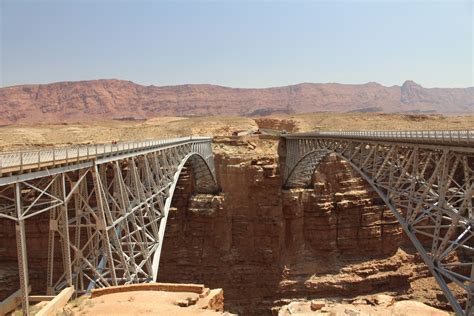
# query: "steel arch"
x,y
203,185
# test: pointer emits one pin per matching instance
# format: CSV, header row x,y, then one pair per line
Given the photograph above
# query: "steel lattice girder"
x,y
107,217
428,188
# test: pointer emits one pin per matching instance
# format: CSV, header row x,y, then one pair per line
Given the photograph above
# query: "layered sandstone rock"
x,y
264,245
118,99
341,214
233,239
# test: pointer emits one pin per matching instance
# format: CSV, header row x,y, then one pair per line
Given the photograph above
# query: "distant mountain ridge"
x,y
119,99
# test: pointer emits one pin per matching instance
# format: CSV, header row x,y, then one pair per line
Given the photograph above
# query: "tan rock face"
x,y
106,99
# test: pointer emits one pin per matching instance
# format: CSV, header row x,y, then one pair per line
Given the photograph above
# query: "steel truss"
x,y
107,216
428,187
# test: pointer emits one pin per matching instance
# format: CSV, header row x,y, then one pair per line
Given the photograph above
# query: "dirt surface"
x,y
122,100
139,303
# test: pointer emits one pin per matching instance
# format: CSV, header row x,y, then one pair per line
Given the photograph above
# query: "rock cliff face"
x,y
267,247
37,245
234,239
117,99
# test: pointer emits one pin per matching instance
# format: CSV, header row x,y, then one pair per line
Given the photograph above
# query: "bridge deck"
x,y
461,138
27,161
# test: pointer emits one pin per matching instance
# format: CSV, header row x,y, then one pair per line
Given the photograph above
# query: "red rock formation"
x,y
336,240
108,99
269,123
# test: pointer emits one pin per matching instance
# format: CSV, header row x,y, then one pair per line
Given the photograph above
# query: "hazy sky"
x,y
238,43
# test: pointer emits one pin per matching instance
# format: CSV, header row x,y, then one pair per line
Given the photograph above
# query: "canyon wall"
x,y
233,239
266,246
37,245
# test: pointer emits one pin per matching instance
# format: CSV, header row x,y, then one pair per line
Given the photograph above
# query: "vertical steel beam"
x,y
51,243
21,251
66,243
102,225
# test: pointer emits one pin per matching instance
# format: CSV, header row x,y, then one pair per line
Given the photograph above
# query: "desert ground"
x,y
14,137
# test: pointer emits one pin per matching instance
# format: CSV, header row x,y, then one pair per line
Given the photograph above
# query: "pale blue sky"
x,y
238,43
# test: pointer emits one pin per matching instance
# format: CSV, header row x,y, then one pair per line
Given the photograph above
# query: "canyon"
x,y
97,100
266,247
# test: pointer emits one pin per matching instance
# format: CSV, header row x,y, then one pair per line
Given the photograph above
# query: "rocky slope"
x,y
116,99
376,305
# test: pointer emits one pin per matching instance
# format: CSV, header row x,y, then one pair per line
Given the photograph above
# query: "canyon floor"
x,y
271,250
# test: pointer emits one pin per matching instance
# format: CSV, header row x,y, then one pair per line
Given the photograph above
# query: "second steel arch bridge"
x,y
426,178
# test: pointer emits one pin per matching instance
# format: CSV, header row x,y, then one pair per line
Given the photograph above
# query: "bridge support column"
x,y
65,231
21,251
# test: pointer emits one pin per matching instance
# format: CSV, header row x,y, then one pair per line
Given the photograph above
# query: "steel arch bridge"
x,y
425,178
107,207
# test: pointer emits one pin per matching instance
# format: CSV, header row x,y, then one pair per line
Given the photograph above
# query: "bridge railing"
x,y
36,158
455,137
